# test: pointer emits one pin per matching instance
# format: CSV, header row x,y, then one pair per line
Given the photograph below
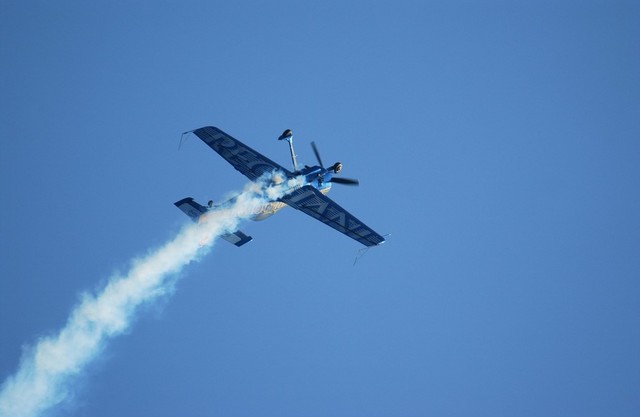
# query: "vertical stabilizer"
x,y
288,136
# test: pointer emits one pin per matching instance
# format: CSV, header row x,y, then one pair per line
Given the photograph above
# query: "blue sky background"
x,y
498,143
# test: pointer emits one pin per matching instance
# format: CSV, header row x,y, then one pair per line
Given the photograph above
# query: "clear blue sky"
x,y
498,143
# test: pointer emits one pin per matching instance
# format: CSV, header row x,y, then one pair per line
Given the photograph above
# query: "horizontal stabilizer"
x,y
237,238
195,210
191,208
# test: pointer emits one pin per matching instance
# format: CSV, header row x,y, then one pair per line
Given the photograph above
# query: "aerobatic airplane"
x,y
310,198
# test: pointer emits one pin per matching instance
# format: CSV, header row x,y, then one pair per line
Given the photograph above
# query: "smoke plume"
x,y
48,369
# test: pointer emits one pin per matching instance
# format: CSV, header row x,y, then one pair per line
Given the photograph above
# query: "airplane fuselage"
x,y
315,176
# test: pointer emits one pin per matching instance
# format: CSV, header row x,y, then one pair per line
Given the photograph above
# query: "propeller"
x,y
337,167
345,181
315,151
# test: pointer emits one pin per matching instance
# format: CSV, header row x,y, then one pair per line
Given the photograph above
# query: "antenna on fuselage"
x,y
288,136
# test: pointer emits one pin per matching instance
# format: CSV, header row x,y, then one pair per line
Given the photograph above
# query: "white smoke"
x,y
47,369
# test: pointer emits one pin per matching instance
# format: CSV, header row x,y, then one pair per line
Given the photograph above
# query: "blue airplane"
x,y
310,198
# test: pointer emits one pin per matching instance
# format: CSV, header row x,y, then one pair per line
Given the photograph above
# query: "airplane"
x,y
310,198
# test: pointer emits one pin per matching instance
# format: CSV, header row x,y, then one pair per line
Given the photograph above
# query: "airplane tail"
x,y
191,208
195,210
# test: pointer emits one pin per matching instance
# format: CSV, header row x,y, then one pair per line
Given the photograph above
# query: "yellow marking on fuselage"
x,y
273,207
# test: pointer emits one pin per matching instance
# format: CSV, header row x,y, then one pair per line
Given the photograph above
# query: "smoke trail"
x,y
46,370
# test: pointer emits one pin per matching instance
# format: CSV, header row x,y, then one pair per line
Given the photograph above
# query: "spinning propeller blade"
x,y
345,181
315,151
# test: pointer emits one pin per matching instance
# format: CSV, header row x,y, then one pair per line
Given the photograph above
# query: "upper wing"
x,y
311,201
251,163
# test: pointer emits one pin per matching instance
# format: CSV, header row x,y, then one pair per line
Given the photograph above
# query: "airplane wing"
x,y
246,160
311,201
